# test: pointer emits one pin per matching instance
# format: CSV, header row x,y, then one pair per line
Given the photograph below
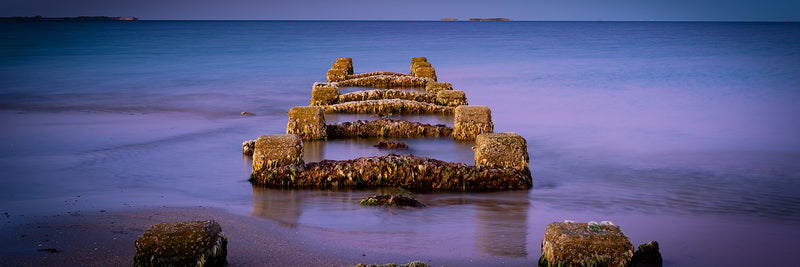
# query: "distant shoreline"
x,y
80,18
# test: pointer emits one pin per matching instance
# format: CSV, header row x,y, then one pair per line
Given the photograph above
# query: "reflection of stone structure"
x,y
193,243
283,206
470,121
501,150
502,226
585,244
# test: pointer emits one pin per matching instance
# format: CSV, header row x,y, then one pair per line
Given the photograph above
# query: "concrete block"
x,y
501,150
585,244
425,72
324,94
307,122
336,75
470,121
277,150
192,243
435,87
348,63
451,98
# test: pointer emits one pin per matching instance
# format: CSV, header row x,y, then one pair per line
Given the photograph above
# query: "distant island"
x,y
81,18
490,19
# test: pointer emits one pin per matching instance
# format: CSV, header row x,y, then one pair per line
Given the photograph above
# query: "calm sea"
x,y
685,133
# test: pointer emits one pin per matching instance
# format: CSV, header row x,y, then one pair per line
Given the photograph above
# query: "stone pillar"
x,y
451,98
345,62
324,94
585,244
421,64
470,121
336,75
418,59
435,87
277,150
307,122
425,72
501,150
192,243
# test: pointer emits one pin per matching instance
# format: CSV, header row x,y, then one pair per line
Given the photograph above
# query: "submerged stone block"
x,y
451,98
192,243
276,150
425,72
585,244
470,121
324,94
348,64
501,150
336,75
435,87
307,122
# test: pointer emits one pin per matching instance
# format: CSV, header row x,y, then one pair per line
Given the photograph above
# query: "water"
x,y
685,133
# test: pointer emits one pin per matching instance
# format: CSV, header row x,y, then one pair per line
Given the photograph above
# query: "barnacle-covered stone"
x,y
307,122
451,98
425,72
385,81
470,121
347,63
385,127
585,244
377,94
336,75
501,150
192,243
406,171
248,147
435,87
324,94
384,106
277,150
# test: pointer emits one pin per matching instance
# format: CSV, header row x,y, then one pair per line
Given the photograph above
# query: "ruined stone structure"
x,y
192,243
307,122
470,121
272,151
585,244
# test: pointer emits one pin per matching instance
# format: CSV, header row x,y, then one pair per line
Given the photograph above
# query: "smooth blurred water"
x,y
678,132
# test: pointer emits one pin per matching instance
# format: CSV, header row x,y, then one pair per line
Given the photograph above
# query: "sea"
x,y
687,133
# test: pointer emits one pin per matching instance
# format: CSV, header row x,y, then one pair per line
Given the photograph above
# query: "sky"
x,y
547,10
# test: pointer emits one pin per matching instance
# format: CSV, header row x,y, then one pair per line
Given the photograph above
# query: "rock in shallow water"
x,y
192,243
391,200
647,255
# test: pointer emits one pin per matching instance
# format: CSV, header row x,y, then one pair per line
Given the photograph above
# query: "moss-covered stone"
x,y
585,244
425,72
386,81
385,127
391,145
451,98
435,87
248,147
501,150
193,243
307,122
647,255
377,94
277,150
470,121
336,75
406,171
324,94
386,106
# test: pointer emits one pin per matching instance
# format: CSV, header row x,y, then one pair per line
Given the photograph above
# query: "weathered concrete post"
x,y
470,121
307,122
502,150
193,243
277,150
585,244
324,94
336,75
435,87
451,98
345,62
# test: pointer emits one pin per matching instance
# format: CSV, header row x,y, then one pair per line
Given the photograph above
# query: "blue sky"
x,y
592,10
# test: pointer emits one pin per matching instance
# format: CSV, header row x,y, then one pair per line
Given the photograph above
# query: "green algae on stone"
x,y
577,244
385,106
307,122
470,121
324,94
277,150
451,98
501,150
406,171
386,127
435,87
192,243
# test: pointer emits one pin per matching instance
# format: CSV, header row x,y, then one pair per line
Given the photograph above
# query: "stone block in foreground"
x,y
585,244
192,243
406,171
470,121
307,122
435,87
451,98
277,150
324,94
501,150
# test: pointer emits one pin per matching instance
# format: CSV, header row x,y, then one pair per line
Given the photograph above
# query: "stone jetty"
x,y
501,159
